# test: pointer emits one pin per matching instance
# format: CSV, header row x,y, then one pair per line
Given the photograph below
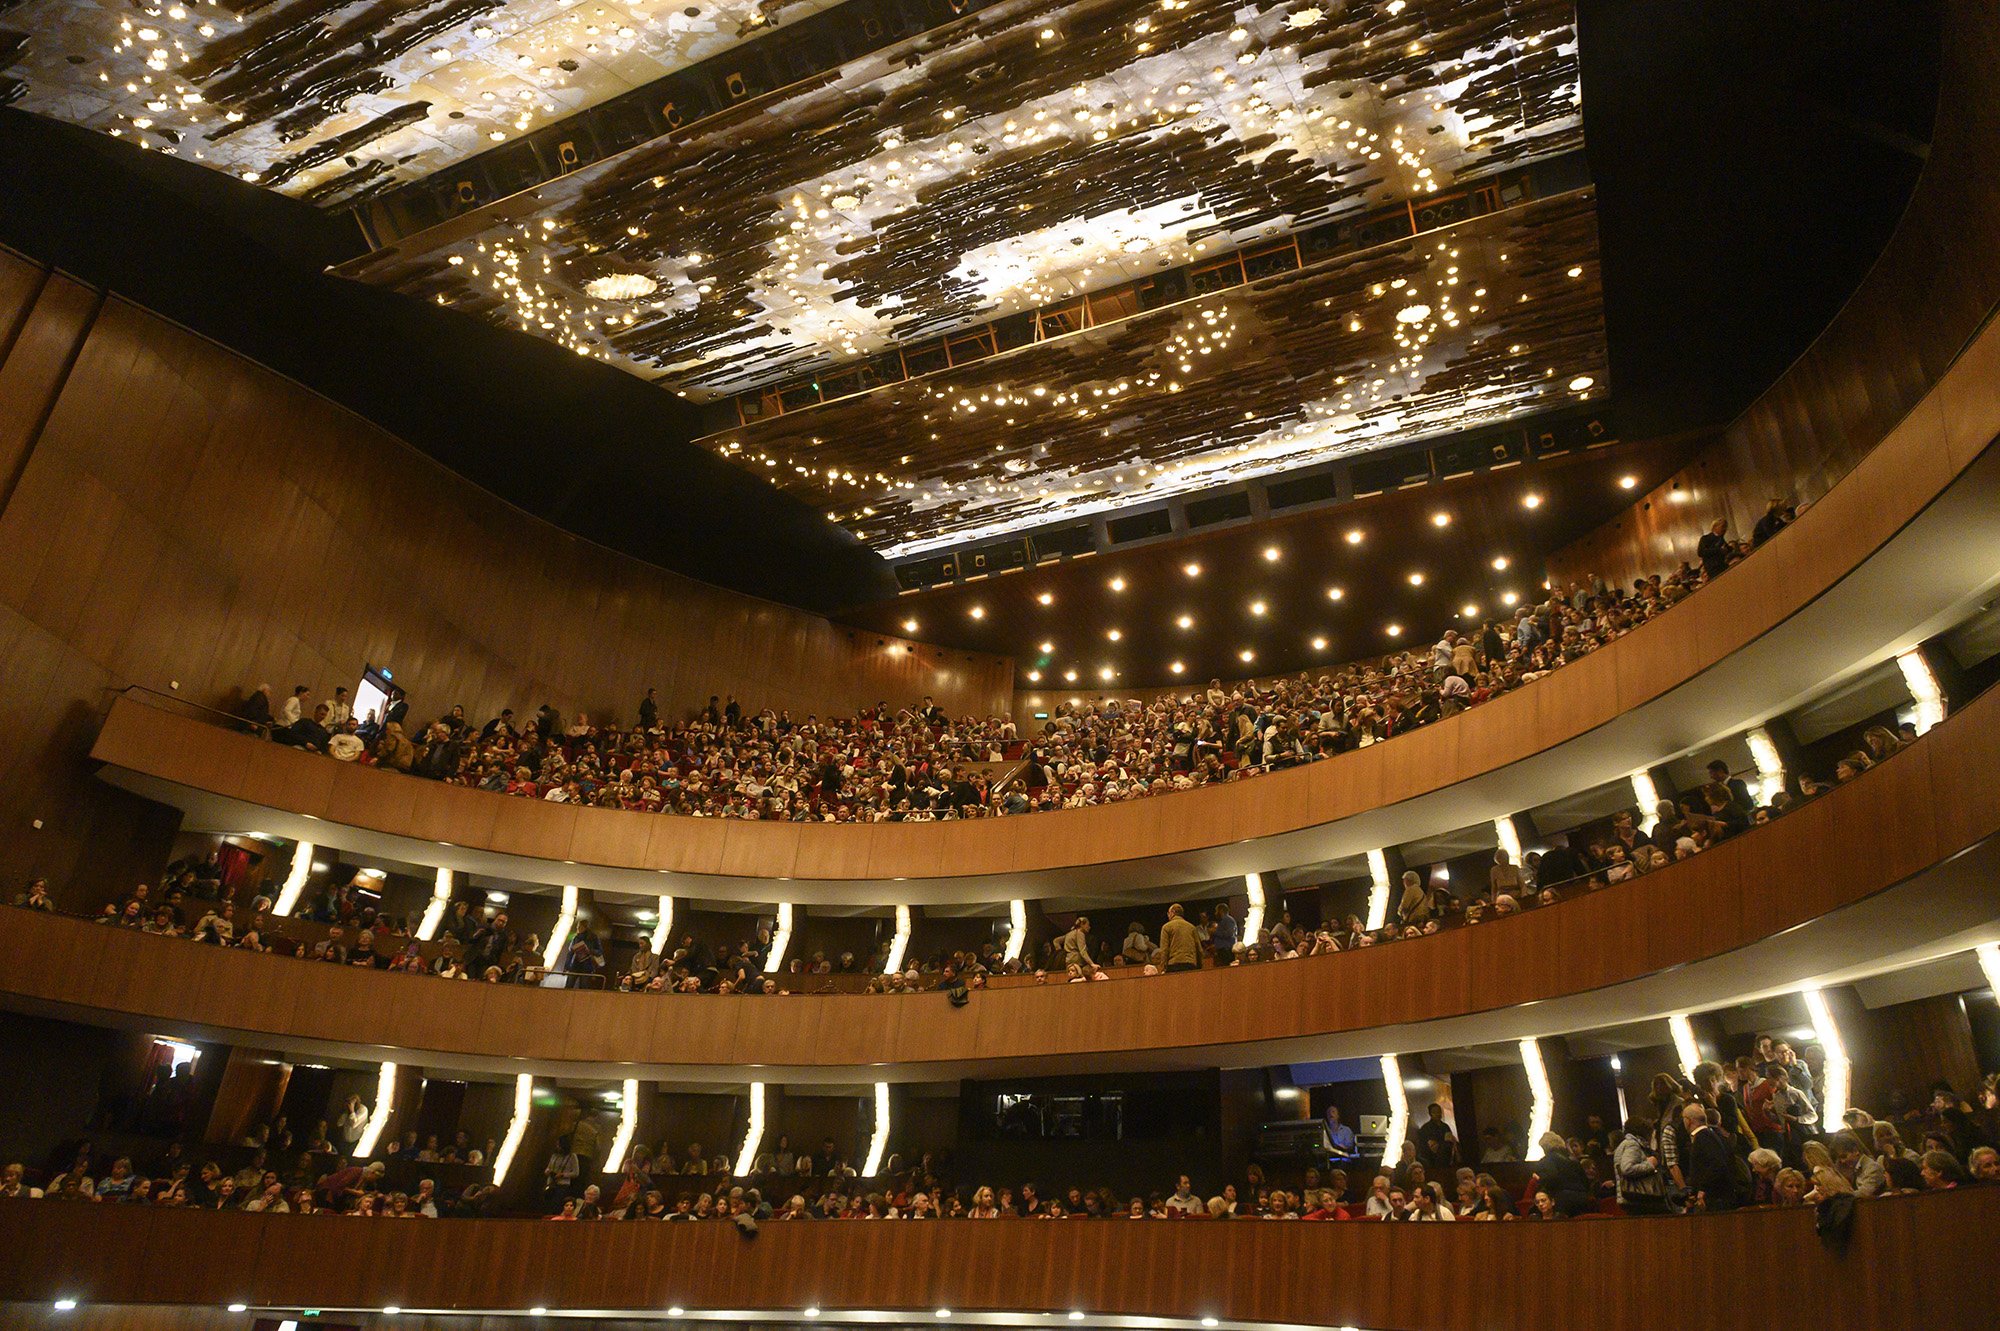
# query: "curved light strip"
x,y
1989,961
427,928
295,879
1923,687
1017,930
385,1096
559,936
1839,1071
1685,1047
517,1127
1647,793
1509,838
781,938
897,945
1253,921
1399,1111
628,1122
1770,767
1378,890
878,1144
664,928
1542,1111
753,1136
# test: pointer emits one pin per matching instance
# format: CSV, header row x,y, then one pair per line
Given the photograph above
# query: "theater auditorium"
x,y
1252,623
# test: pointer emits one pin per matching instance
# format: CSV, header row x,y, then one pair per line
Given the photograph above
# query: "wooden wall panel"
x,y
1913,1261
1914,313
1832,853
186,516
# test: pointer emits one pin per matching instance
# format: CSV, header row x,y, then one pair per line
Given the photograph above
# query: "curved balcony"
x,y
1892,868
1914,1261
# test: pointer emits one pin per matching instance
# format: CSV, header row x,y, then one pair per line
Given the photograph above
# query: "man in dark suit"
x,y
1711,1171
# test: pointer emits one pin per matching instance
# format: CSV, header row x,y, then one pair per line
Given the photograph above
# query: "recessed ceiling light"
x,y
1048,647
1354,536
1581,382
1499,563
1319,644
1627,482
1193,570
1177,667
1257,607
1118,584
1106,673
1185,621
1440,519
1271,553
1469,610
1034,676
1531,500
1416,579
977,612
1334,593
1509,598
1394,630
1114,634
1247,655
1047,598
1070,675
909,626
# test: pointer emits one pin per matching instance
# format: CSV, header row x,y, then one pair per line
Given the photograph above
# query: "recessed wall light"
x,y
1531,500
1193,570
1046,598
977,612
1627,482
1440,519
1117,584
909,626
1271,553
1354,536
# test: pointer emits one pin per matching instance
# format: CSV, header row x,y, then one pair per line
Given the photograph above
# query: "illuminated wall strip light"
x,y
899,944
753,1136
1839,1076
628,1123
295,879
1542,1112
1685,1047
1399,1110
878,1144
1989,961
781,938
1770,767
664,928
1253,922
1509,838
517,1127
385,1097
1378,890
559,936
1923,686
427,928
1646,794
1017,930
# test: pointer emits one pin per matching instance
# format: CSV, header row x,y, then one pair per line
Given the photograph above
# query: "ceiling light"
x,y
69,1305
1509,598
676,1311
239,1307
1394,630
1106,673
1354,536
1048,647
909,626
1191,569
1499,563
812,1312
620,286
1115,634
1034,676
1469,610
1185,621
1257,607
391,1310
1531,500
1177,667
1440,519
977,612
1271,553
1334,593
1416,579
1075,1315
1627,482
1319,644
942,1312
1413,314
1118,584
1210,1321
1046,598
1247,655
1070,675
538,1311
1581,382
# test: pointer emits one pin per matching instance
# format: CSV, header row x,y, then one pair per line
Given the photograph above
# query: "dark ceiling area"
x,y
570,440
1748,161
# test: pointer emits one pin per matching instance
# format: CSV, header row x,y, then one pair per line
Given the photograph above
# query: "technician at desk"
x,y
1340,1138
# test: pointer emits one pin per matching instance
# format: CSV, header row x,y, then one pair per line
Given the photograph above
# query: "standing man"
x,y
1180,946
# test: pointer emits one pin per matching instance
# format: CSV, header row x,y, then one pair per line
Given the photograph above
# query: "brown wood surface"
x,y
1928,294
1923,806
1914,1261
174,513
